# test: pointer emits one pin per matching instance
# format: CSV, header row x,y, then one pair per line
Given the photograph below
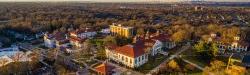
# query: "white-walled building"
x,y
238,45
105,31
136,54
56,40
155,42
130,55
83,33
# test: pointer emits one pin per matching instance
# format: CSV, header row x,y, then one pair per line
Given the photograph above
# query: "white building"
x,y
156,42
49,41
237,45
8,55
56,40
105,31
83,33
129,55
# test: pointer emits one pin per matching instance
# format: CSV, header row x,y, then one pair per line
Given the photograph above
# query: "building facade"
x,y
238,45
129,55
120,30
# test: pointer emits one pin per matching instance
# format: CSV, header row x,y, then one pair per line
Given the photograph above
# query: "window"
x,y
131,61
139,59
122,58
143,57
126,59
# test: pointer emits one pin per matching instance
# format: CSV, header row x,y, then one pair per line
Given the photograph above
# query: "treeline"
x,y
173,19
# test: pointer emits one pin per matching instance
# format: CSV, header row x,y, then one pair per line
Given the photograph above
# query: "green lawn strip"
x,y
152,63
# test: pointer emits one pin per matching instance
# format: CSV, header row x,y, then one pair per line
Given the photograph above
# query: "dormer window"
x,y
237,38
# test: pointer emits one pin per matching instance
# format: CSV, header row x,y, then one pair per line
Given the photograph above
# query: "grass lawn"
x,y
90,62
192,57
152,63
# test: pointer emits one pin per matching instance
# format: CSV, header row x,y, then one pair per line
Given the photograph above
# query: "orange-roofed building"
x,y
104,69
129,55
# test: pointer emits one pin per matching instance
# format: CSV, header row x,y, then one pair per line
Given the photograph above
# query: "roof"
x,y
76,39
162,37
132,50
58,36
152,37
104,68
82,31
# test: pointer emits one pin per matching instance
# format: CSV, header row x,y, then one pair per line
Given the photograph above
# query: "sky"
x,y
122,0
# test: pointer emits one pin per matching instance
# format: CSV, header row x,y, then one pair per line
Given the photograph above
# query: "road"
x,y
184,48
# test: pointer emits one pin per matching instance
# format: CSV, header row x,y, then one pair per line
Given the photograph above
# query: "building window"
x,y
126,59
143,57
139,59
131,61
122,58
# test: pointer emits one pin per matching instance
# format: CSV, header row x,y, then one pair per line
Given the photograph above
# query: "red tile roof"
x,y
76,39
139,48
105,68
132,50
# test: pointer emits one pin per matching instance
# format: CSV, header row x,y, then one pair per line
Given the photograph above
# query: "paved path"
x,y
195,65
184,48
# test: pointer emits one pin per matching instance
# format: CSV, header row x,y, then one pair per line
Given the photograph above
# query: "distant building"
x,y
83,33
55,40
105,31
9,51
120,30
105,69
198,8
8,55
78,37
237,45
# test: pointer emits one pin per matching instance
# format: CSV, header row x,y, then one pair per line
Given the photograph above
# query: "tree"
x,y
109,40
173,65
140,31
219,68
179,36
216,68
214,49
87,46
206,50
235,70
